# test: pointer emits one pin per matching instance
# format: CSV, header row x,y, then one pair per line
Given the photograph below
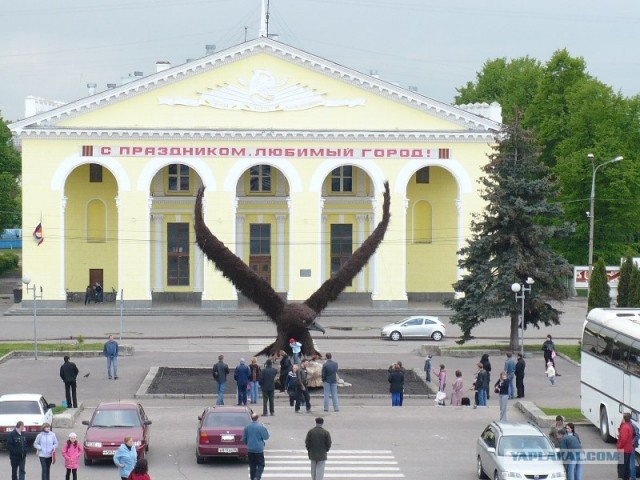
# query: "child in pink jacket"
x,y
71,452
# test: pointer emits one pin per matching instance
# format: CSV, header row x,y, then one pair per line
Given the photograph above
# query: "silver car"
x,y
517,450
416,326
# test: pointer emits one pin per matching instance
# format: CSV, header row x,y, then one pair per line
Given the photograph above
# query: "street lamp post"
x,y
594,169
520,289
27,280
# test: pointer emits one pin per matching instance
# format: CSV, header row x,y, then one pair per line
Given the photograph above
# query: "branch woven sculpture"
x,y
293,320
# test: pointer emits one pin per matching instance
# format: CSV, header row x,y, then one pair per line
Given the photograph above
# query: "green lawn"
x,y
569,414
50,347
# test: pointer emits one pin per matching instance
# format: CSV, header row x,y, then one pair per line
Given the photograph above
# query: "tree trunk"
x,y
514,337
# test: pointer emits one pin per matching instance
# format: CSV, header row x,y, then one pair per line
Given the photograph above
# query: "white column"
x,y
280,224
324,250
240,236
63,260
158,251
460,239
373,279
360,219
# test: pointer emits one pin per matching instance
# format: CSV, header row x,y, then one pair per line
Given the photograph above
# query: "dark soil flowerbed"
x,y
198,381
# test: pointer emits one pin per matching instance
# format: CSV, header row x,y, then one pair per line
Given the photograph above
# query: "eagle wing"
x,y
233,268
331,288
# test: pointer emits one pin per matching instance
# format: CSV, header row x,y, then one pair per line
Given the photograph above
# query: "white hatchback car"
x,y
31,408
416,326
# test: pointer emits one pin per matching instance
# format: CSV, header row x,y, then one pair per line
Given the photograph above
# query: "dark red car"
x,y
220,431
110,423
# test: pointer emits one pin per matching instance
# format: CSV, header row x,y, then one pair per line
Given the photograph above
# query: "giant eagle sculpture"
x,y
293,320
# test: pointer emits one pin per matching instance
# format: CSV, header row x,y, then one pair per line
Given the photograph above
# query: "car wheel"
x,y
604,426
199,459
87,461
437,336
481,474
395,336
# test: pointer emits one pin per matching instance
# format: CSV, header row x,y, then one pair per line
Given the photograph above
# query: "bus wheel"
x,y
604,426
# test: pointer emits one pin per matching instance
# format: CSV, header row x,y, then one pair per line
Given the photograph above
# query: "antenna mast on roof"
x,y
264,19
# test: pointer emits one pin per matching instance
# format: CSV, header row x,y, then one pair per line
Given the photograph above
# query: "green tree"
x,y
624,282
511,83
634,286
598,287
10,192
510,241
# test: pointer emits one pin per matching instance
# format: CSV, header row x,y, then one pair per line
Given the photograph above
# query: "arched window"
x,y
422,222
96,221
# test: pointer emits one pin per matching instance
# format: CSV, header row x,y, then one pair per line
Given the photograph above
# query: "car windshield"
x,y
115,418
19,407
397,322
226,420
523,443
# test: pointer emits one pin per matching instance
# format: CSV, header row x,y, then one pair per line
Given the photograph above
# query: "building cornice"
x,y
293,135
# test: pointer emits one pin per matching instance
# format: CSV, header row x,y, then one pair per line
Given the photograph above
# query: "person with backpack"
x,y
220,372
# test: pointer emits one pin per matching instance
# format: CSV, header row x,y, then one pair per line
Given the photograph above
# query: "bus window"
x,y
590,339
620,351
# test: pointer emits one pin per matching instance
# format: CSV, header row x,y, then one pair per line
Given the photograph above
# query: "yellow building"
x,y
293,151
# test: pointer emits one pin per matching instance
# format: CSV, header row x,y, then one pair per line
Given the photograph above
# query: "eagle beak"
x,y
316,326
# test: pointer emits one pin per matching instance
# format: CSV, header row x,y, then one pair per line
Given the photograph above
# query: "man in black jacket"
x,y
220,372
18,449
303,391
68,373
520,365
318,443
267,383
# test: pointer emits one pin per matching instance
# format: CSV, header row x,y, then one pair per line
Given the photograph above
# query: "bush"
x,y
8,262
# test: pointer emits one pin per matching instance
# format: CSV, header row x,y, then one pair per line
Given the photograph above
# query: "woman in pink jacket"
x,y
71,452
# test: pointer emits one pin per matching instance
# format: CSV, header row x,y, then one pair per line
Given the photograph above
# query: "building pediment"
x,y
254,87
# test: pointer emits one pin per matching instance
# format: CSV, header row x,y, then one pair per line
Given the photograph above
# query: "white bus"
x,y
610,372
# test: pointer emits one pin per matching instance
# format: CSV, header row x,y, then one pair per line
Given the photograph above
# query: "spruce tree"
x,y
510,241
624,282
598,287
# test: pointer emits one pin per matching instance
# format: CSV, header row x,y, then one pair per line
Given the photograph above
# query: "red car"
x,y
220,431
110,423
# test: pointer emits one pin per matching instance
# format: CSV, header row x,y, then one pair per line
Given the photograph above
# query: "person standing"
x,y
125,458
254,437
551,373
303,390
442,378
46,443
254,377
427,368
396,385
296,347
99,293
220,372
549,352
486,364
285,368
267,382
292,385
519,374
570,448
330,383
111,350
69,373
71,453
510,368
318,443
140,471
553,432
241,376
88,294
625,443
18,449
482,385
502,389
456,390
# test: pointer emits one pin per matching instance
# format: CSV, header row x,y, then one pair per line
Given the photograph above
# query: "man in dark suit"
x,y
18,449
520,364
68,373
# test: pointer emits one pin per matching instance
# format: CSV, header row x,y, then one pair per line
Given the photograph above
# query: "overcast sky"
x,y
52,49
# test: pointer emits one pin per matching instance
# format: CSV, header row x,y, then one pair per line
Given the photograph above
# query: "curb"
x,y
67,419
124,350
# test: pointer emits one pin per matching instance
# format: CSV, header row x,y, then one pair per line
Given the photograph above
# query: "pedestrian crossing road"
x,y
379,464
